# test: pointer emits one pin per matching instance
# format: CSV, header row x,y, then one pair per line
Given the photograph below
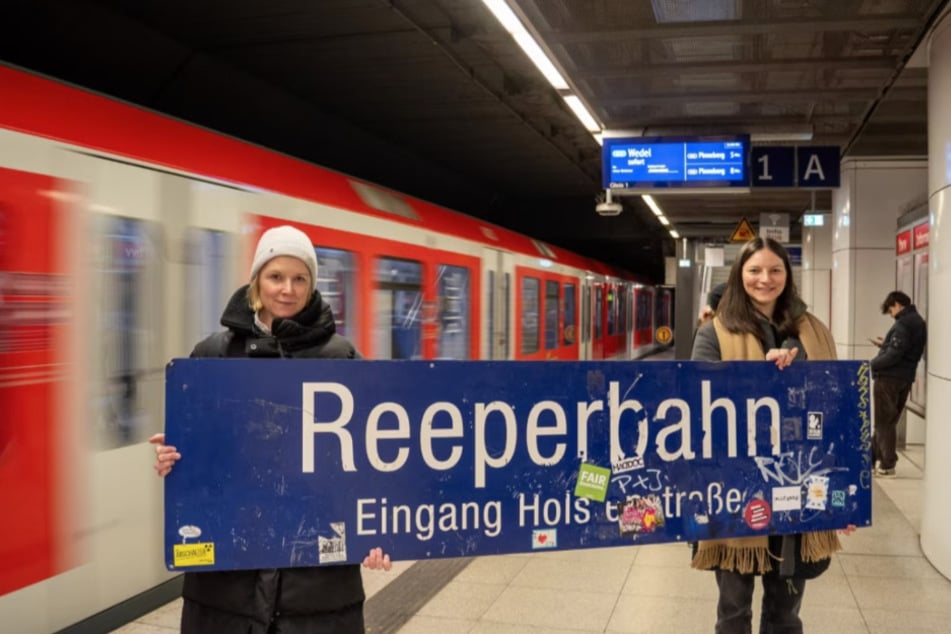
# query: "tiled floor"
x,y
880,583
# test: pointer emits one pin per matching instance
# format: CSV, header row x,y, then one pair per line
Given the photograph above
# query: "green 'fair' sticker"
x,y
592,482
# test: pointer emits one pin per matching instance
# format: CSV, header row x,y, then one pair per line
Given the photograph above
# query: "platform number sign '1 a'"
x,y
805,166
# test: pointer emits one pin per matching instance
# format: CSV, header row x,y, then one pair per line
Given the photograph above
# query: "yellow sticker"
x,y
201,554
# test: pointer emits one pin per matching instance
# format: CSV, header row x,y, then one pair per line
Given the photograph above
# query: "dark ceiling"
x,y
433,98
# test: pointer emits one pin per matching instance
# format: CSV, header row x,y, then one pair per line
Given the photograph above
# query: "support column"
x,y
685,314
936,513
816,288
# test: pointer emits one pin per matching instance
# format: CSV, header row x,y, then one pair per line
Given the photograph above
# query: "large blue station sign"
x,y
314,462
659,162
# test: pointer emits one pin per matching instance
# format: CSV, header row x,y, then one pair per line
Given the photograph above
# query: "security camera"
x,y
608,209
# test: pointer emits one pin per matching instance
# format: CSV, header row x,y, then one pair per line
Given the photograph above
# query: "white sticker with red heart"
x,y
545,538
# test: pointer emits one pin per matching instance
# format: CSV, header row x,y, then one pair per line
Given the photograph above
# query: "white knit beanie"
x,y
284,240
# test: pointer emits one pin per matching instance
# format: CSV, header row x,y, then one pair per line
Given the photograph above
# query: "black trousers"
x,y
888,398
201,619
782,598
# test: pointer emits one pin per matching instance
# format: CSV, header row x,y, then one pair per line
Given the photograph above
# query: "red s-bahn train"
x,y
123,232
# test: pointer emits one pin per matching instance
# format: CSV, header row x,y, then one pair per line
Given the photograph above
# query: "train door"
x,y
497,298
128,286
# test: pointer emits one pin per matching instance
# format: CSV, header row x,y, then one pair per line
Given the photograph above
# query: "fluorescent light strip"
x,y
541,61
649,200
582,113
503,13
510,22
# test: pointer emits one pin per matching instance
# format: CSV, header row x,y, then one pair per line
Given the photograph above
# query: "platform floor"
x,y
881,584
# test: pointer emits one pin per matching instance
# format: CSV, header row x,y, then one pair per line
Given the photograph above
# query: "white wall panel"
x,y
877,267
883,192
842,208
842,304
820,290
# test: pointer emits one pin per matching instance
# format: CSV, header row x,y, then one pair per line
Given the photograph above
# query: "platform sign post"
x,y
306,463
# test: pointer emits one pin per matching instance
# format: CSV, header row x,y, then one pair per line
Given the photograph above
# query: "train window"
x,y
612,311
552,290
530,308
598,311
131,372
453,314
569,332
642,316
398,301
335,280
208,257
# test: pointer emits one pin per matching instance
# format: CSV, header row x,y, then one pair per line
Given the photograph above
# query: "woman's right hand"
x,y
782,357
165,455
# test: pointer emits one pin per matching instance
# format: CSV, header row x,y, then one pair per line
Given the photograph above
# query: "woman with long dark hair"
x,y
761,317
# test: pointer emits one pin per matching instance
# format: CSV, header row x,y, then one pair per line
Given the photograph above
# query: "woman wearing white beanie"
x,y
279,313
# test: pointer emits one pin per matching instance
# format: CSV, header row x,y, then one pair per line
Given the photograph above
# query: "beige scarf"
x,y
751,554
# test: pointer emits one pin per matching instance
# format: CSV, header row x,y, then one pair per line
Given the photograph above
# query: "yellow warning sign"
x,y
743,232
200,554
664,335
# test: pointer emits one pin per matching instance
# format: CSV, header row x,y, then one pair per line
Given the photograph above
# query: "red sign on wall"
x,y
921,235
903,242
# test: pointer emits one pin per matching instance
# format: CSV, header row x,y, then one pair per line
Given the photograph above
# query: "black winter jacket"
x,y
314,599
902,348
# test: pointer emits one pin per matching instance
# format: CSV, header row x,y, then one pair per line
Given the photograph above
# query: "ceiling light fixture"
x,y
649,201
510,22
768,134
513,24
582,113
654,207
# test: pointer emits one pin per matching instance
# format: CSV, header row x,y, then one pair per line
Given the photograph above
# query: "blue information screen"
x,y
313,462
675,162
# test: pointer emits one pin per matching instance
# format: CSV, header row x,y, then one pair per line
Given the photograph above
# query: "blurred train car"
x,y
122,234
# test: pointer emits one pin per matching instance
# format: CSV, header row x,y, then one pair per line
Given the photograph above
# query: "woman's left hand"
x,y
848,530
782,357
376,560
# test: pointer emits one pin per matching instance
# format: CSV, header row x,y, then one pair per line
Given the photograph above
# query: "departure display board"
x,y
659,162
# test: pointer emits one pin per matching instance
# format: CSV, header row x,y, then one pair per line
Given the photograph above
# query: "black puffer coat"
x,y
297,600
902,348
